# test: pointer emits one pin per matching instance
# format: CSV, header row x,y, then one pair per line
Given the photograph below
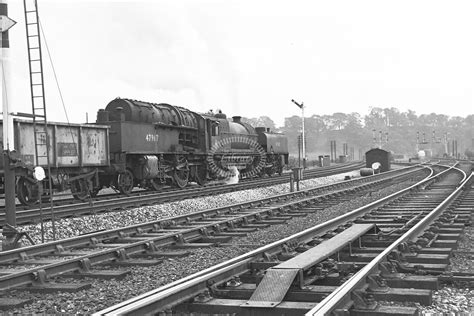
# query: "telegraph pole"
x,y
8,142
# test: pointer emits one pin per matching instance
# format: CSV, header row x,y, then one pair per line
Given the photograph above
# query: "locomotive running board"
x,y
277,280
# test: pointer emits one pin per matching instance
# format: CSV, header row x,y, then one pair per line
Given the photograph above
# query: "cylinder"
x,y
364,172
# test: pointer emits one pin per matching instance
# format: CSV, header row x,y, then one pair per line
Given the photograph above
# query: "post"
x,y
301,106
299,150
292,183
374,139
9,230
303,139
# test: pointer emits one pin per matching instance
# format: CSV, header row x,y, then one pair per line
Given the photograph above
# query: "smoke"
x,y
234,176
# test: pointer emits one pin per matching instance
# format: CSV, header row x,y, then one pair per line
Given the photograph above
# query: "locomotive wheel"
x,y
181,173
154,185
79,190
270,171
27,192
201,175
125,182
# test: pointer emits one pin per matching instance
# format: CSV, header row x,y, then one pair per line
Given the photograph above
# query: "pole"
x,y
301,106
9,230
299,150
303,140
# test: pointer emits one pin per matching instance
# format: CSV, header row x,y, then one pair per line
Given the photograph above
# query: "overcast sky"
x,y
251,58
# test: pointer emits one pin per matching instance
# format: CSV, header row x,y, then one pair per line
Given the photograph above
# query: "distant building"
x,y
378,155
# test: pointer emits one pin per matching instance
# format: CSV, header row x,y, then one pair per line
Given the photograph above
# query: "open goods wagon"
x,y
77,153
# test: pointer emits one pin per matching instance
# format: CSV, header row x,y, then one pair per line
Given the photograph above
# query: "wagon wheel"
x,y
27,192
94,192
181,173
79,189
125,182
201,175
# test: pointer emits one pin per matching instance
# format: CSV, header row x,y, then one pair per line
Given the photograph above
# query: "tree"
x,y
262,121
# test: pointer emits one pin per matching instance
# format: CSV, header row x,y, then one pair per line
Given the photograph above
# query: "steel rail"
x,y
326,306
146,198
120,252
165,296
88,239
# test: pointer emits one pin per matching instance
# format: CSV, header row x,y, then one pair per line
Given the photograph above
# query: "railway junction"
x,y
249,264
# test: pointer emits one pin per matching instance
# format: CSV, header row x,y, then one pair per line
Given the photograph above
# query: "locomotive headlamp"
x,y
39,174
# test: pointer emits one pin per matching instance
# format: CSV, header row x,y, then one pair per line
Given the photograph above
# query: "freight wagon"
x,y
77,153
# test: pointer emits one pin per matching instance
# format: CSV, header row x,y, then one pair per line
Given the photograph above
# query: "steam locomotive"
x,y
146,145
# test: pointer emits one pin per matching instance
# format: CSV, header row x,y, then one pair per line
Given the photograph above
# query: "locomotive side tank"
x,y
153,144
135,125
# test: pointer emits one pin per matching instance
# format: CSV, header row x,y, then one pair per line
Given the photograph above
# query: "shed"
x,y
378,155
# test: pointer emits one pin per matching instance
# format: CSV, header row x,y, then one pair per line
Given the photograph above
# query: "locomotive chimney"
x,y
102,116
236,119
260,130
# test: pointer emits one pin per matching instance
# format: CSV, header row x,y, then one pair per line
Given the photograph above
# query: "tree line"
x,y
399,132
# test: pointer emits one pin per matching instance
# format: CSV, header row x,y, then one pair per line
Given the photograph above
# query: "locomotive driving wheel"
x,y
154,184
181,172
27,191
201,175
125,182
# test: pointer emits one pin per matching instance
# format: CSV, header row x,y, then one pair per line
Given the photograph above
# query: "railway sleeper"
x,y
411,258
163,254
193,245
377,250
402,280
229,306
232,234
385,293
411,267
50,287
374,243
10,303
133,262
233,300
97,274
385,310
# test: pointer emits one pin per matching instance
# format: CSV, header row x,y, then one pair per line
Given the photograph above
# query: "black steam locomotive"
x,y
148,145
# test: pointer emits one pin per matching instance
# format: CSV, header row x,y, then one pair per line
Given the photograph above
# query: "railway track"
x,y
78,257
393,249
114,202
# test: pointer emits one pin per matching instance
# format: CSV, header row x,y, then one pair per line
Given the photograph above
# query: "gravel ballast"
x,y
142,279
70,227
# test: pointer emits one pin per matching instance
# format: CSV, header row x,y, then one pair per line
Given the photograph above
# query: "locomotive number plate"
x,y
151,137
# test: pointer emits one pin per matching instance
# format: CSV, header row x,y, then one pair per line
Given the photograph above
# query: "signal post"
x,y
9,231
